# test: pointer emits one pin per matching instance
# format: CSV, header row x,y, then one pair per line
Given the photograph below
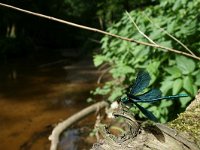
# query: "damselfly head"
x,y
124,99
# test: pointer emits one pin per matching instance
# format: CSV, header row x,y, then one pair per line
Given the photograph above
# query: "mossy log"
x,y
181,134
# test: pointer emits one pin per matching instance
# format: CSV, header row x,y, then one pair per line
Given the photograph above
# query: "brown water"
x,y
32,98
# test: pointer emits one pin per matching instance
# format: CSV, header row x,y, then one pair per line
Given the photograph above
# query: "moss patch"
x,y
188,122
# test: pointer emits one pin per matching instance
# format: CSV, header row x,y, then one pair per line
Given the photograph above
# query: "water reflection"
x,y
69,141
32,98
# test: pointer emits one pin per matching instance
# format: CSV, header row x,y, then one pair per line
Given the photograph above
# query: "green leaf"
x,y
196,72
163,120
171,26
177,85
184,101
165,103
98,60
195,89
156,34
121,70
166,86
185,64
166,44
198,79
188,85
152,68
177,5
115,94
174,71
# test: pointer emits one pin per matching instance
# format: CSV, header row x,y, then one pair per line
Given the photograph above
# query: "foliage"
x,y
110,11
49,34
173,73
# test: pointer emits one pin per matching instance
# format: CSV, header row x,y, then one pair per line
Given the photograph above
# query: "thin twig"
x,y
142,33
54,137
163,30
103,73
98,31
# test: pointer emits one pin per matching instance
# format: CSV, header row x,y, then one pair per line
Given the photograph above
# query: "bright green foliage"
x,y
170,72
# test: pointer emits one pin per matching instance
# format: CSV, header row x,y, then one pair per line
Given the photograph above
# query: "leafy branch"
x,y
174,74
171,36
100,31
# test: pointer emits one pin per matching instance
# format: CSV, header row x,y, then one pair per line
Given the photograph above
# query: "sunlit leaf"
x,y
195,89
116,94
188,85
186,65
177,5
166,44
184,101
98,60
174,71
171,26
177,85
121,70
156,34
153,67
165,103
198,79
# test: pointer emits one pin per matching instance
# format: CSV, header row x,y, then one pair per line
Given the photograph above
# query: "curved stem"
x,y
54,137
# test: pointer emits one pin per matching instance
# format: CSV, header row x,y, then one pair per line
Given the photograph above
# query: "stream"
x,y
35,97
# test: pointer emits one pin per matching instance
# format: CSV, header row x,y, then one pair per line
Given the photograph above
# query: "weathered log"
x,y
181,134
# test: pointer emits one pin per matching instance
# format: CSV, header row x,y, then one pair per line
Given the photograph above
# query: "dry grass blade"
x,y
142,33
100,31
171,36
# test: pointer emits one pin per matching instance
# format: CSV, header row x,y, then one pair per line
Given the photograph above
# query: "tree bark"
x,y
181,134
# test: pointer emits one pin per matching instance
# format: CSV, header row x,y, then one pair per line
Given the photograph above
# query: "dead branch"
x,y
142,33
100,31
171,36
54,137
181,134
